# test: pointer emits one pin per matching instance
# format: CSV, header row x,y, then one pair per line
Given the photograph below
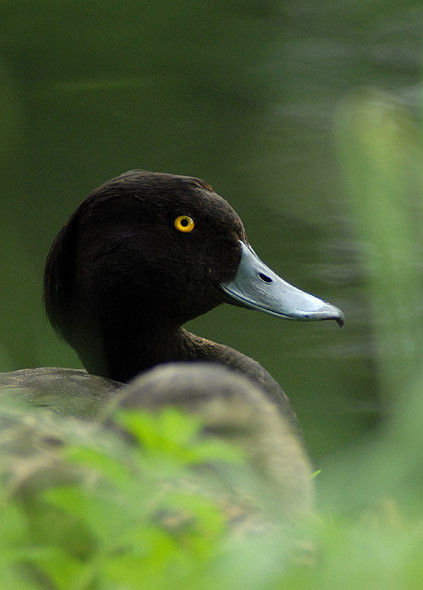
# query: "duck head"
x,y
143,254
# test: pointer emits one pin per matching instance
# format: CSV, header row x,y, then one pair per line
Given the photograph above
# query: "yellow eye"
x,y
184,223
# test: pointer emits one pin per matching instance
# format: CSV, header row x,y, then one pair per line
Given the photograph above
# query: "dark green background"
x,y
242,94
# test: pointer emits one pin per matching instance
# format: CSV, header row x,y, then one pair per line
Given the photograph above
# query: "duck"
x,y
142,255
145,253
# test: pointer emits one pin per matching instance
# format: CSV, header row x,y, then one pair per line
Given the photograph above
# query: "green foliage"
x,y
381,150
380,145
91,510
101,512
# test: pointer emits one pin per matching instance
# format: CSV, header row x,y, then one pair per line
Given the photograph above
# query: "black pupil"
x,y
184,222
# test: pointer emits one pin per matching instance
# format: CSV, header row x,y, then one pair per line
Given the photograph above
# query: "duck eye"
x,y
184,223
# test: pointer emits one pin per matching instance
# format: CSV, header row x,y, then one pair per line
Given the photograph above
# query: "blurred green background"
x,y
271,103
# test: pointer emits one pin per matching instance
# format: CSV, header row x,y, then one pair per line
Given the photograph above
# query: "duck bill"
x,y
256,286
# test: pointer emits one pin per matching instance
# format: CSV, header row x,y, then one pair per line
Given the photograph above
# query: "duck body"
x,y
70,392
145,253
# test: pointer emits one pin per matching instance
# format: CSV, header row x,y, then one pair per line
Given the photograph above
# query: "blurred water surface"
x,y
242,94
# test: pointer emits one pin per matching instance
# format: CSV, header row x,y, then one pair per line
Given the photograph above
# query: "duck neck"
x,y
125,355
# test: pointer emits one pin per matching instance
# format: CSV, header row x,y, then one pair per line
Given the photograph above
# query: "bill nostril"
x,y
265,278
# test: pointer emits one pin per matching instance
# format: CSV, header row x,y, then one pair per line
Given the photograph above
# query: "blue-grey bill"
x,y
256,286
